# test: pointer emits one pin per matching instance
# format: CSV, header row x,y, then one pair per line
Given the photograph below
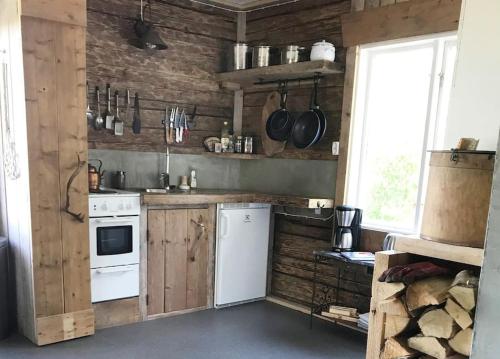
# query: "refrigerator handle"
x,y
223,225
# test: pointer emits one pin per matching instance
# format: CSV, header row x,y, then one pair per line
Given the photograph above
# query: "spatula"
x,y
118,123
108,114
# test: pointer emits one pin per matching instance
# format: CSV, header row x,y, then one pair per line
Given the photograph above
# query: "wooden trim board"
x,y
401,20
423,247
57,328
116,312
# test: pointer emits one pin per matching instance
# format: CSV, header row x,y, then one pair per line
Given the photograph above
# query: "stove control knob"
x,y
120,207
104,207
129,206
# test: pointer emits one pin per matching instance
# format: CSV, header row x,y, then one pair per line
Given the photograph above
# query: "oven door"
x,y
114,241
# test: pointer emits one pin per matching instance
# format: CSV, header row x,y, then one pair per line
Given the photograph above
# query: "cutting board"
x,y
270,146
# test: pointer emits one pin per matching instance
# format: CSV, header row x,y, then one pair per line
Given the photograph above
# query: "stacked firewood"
x,y
428,313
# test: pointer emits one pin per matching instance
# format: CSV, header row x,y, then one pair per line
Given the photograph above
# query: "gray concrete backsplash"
x,y
277,176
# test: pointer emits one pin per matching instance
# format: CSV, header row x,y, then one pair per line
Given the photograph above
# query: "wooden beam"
x,y
57,328
401,20
72,12
346,124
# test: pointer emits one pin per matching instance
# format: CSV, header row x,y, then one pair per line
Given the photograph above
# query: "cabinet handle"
x,y
198,224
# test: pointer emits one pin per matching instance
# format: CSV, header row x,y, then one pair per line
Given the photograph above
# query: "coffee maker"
x,y
346,229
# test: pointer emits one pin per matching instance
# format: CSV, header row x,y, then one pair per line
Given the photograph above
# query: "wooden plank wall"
x,y
302,23
200,41
292,266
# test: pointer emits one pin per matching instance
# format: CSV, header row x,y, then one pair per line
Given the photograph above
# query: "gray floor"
x,y
259,330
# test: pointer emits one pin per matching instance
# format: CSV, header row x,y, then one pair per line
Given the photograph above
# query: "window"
x,y
400,110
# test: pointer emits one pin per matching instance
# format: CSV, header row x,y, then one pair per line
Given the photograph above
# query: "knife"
x,y
181,124
177,124
171,126
166,124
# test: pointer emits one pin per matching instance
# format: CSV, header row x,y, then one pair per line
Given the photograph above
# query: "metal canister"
x,y
248,144
260,56
119,179
240,56
291,54
238,144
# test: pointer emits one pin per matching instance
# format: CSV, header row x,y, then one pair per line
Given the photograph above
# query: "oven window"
x,y
114,240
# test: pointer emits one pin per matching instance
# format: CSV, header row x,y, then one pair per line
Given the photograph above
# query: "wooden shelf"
x,y
419,246
234,156
300,70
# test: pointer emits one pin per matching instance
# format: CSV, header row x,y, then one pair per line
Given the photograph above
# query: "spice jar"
x,y
248,144
238,145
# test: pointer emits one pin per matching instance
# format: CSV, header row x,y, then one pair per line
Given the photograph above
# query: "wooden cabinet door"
x,y
156,261
175,259
199,228
179,267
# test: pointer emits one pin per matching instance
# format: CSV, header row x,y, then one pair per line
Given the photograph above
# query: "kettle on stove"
x,y
95,176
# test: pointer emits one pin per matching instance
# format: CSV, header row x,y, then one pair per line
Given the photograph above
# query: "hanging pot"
x,y
307,129
280,122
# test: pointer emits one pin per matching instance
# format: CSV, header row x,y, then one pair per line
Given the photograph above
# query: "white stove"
x,y
114,244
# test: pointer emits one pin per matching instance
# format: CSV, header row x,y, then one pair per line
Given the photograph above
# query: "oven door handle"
x,y
114,270
112,220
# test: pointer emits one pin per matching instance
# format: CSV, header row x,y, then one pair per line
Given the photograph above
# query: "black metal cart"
x,y
331,295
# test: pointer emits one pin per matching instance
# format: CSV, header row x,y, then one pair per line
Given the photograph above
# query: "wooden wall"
x,y
302,23
200,39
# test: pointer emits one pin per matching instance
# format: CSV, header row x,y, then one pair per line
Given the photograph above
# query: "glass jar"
x,y
238,145
248,144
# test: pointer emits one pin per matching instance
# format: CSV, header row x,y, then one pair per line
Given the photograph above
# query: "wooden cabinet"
x,y
180,259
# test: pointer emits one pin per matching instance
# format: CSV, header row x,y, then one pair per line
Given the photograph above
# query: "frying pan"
x,y
307,129
316,109
280,122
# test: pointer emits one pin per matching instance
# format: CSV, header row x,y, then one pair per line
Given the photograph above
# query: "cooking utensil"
x,y
260,57
127,106
171,130
323,51
182,120
99,121
306,130
186,128
292,54
118,123
321,114
177,124
272,104
280,122
108,114
95,176
90,114
136,123
119,179
166,123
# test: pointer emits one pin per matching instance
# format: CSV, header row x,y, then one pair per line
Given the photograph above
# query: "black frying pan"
x,y
280,122
306,130
321,114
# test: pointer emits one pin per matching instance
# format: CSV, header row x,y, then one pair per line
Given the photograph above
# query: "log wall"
x,y
199,39
302,23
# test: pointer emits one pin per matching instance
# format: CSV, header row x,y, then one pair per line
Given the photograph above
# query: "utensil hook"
x,y
314,97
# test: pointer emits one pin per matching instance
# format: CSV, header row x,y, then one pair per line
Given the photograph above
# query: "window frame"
x,y
432,128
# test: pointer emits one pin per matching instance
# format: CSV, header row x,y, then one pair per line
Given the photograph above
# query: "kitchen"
x,y
171,258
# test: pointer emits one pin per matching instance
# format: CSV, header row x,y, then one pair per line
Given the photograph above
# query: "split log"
x,y
393,307
452,356
395,325
429,291
462,342
345,311
339,317
460,315
465,296
437,323
466,278
436,348
389,290
396,349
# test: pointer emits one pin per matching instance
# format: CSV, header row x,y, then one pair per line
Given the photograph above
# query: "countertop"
x,y
212,196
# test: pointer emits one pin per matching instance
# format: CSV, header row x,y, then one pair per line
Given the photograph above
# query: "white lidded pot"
x,y
323,51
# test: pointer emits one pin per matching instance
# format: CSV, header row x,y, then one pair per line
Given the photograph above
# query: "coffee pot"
x,y
347,228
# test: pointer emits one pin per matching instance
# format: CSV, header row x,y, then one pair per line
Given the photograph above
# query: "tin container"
x,y
248,144
291,54
261,56
240,56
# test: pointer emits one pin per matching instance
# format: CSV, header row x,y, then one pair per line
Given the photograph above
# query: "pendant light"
x,y
148,37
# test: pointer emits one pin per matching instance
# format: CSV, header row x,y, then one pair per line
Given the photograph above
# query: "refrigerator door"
x,y
241,255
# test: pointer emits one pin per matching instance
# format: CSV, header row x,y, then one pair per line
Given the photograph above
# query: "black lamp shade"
x,y
148,38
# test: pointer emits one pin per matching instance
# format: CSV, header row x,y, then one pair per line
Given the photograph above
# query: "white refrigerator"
x,y
241,252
